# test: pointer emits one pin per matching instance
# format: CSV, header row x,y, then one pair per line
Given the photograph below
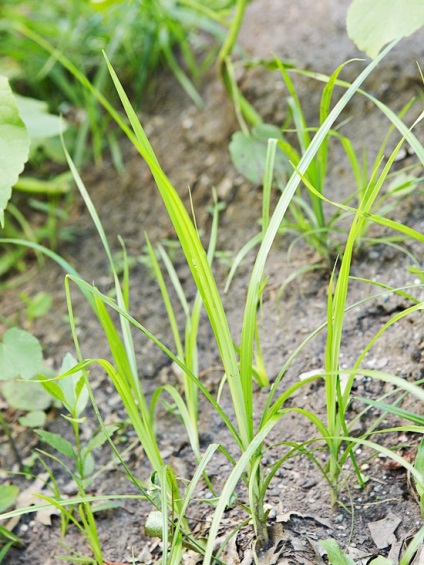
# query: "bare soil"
x,y
192,146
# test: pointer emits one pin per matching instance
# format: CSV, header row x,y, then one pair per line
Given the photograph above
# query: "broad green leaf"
x,y
59,443
52,388
14,144
248,153
33,419
154,524
26,395
20,355
73,387
334,553
89,465
373,23
39,122
8,494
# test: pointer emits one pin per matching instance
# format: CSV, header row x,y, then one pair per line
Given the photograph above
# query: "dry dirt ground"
x,y
192,146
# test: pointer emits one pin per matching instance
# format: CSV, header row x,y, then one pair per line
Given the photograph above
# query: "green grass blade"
x,y
231,484
197,262
249,318
84,286
182,408
129,346
244,251
199,473
166,299
395,410
267,182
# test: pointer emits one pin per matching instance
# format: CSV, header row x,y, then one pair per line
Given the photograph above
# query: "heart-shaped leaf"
x,y
20,355
248,153
26,395
371,24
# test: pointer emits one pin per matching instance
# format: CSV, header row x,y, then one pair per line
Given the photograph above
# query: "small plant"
x,y
72,393
38,306
307,219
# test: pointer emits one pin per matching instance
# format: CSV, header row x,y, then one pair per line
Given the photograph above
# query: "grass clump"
x,y
248,429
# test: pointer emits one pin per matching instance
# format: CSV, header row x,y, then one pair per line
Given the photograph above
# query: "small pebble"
x,y
339,518
416,355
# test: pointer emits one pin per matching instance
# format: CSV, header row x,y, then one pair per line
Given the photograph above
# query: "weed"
x,y
73,394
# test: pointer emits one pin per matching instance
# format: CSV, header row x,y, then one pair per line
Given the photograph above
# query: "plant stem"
x,y
243,107
231,38
11,441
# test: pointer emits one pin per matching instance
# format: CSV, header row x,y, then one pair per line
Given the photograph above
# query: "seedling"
x,y
8,495
38,306
72,393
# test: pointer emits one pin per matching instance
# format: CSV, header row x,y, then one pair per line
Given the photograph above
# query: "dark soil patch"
x,y
192,146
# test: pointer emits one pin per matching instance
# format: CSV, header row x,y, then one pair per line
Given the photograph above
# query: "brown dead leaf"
x,y
28,498
248,557
383,531
278,539
391,465
359,556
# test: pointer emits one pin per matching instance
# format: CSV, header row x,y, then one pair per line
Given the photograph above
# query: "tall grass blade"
x,y
248,332
197,262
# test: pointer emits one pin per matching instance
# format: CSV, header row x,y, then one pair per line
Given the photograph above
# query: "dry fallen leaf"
x,y
383,531
28,498
278,539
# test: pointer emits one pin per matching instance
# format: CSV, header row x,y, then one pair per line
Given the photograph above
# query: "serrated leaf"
x,y
20,355
14,144
26,395
371,24
8,494
59,443
248,153
33,419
